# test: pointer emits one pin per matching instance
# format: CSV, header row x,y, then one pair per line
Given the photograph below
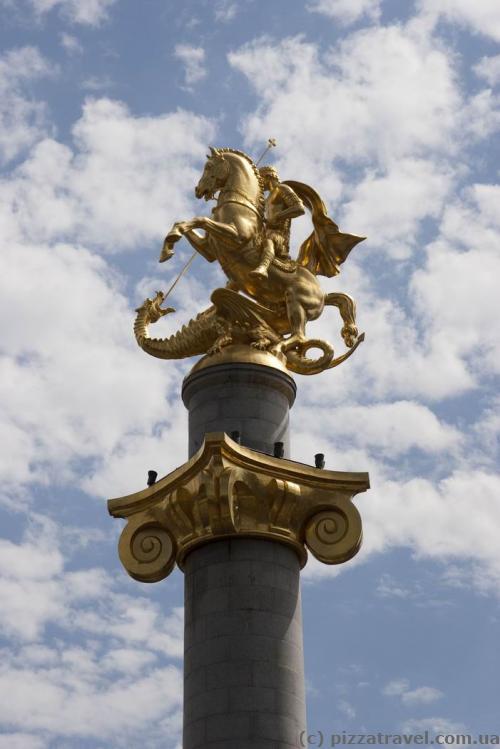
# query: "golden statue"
x,y
226,489
270,297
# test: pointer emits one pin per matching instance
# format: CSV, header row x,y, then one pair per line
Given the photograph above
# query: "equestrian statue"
x,y
269,297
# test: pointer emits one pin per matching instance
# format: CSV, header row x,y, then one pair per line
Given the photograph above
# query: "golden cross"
x,y
271,143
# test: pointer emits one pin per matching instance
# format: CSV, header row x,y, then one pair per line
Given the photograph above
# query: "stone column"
x,y
244,665
250,399
237,520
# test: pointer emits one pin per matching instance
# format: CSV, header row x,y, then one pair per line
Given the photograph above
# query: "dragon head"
x,y
152,308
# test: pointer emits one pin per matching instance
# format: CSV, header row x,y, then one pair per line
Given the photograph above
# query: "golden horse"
x,y
291,295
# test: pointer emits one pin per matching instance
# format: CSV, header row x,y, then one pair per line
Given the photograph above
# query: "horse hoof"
x,y
166,253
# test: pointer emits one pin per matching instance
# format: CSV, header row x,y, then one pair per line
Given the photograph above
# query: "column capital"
x,y
226,490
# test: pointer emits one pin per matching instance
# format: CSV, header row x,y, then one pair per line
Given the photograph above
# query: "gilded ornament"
x,y
228,491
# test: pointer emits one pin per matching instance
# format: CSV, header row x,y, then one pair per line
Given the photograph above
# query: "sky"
x,y
391,110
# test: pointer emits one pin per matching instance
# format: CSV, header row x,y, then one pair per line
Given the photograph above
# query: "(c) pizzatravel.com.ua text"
x,y
323,739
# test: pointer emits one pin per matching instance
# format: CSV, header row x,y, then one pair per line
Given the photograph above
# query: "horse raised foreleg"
x,y
200,244
228,234
198,241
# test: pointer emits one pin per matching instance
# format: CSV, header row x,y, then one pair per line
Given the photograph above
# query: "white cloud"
x,y
421,696
382,93
436,725
125,182
71,44
36,558
388,588
128,660
21,741
58,404
432,518
97,83
38,590
389,205
85,12
389,427
23,120
486,435
396,687
136,622
481,17
30,595
489,69
398,358
225,11
113,684
471,221
346,709
124,469
193,59
483,114
435,519
461,320
28,605
347,11
116,187
67,700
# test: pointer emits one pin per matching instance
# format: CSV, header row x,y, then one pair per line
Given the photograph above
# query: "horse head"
x,y
214,175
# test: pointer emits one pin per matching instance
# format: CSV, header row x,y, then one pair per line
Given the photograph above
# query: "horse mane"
x,y
255,170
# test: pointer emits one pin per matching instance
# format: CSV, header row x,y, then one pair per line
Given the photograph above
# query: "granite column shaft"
x,y
244,665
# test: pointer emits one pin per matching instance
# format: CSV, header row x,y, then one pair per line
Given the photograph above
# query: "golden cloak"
x,y
326,248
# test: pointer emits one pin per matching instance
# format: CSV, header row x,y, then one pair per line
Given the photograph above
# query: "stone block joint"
x,y
226,490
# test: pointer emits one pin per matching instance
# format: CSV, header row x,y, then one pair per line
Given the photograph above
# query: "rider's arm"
x,y
294,205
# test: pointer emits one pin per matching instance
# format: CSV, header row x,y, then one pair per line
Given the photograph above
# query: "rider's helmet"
x,y
268,171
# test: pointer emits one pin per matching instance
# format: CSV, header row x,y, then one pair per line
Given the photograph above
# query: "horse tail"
x,y
347,308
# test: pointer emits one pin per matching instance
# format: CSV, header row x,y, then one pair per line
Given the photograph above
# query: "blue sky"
x,y
391,111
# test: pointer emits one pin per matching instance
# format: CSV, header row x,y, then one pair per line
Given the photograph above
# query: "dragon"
x,y
233,318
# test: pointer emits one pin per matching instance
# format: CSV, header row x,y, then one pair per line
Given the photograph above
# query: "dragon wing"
x,y
326,248
244,311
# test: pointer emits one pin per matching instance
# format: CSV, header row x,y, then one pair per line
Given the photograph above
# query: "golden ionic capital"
x,y
226,490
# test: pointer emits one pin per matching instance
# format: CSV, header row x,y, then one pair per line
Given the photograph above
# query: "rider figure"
x,y
282,204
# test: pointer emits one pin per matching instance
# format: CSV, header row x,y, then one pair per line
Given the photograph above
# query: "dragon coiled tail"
x,y
234,312
192,339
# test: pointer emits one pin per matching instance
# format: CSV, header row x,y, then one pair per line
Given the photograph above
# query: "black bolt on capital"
x,y
319,460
